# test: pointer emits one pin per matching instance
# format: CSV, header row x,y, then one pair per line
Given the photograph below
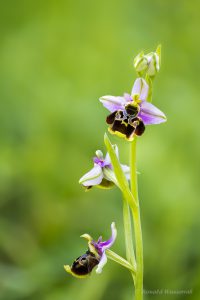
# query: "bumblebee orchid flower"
x,y
131,113
94,256
102,174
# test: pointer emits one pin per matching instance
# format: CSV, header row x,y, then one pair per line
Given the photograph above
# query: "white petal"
x,y
126,170
93,177
102,263
107,158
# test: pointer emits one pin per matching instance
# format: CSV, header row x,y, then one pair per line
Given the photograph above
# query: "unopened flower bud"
x,y
148,64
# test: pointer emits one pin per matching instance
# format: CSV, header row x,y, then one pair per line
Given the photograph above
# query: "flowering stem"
x,y
129,200
130,255
137,225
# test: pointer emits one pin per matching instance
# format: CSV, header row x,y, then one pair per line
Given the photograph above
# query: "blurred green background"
x,y
56,59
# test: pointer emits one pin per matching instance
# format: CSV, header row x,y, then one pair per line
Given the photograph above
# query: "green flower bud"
x,y
148,64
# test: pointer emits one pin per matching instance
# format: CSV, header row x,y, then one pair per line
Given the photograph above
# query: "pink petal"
x,y
107,244
140,88
150,114
113,103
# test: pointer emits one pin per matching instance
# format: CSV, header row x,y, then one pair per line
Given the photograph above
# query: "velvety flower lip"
x,y
94,256
102,174
130,113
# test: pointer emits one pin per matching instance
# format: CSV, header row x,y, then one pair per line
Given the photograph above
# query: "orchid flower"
x,y
131,113
102,174
94,256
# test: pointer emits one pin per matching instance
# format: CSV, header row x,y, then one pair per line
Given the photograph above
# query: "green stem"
x,y
134,185
130,255
137,225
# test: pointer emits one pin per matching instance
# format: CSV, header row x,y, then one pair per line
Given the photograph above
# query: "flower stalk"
x,y
130,254
137,224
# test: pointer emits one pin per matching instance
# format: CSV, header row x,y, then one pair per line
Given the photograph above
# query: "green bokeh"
x,y
56,59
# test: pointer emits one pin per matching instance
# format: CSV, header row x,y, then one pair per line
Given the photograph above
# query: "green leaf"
x,y
120,260
121,178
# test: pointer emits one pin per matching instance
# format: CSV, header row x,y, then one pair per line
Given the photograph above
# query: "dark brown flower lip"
x,y
125,124
84,264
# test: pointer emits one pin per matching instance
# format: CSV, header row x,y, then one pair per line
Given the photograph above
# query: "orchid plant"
x,y
129,115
